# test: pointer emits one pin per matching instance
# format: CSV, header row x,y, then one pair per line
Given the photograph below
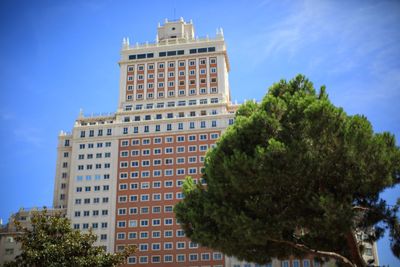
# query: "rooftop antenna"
x,y
174,9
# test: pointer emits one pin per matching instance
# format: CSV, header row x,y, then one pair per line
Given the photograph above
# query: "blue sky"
x,y
59,56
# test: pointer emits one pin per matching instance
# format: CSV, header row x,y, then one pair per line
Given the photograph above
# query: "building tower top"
x,y
176,29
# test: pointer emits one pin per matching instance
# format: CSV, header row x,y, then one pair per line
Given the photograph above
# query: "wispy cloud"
x,y
6,116
331,33
30,135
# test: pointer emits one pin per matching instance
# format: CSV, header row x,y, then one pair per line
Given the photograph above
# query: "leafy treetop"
x,y
50,241
294,175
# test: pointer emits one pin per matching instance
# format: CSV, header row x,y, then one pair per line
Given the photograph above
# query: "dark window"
x,y
211,49
171,53
150,55
192,51
201,50
181,52
162,54
132,57
141,56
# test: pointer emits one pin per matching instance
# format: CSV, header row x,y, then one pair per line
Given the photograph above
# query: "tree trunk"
x,y
354,250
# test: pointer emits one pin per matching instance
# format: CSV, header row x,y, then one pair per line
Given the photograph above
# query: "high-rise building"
x,y
121,174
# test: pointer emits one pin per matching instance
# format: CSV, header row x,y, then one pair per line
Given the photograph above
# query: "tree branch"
x,y
316,252
360,208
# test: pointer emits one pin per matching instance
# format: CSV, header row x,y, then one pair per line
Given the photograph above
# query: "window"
x,y
156,209
120,236
168,209
217,256
134,163
193,245
132,235
156,222
180,245
205,256
156,234
122,211
168,221
144,235
143,259
134,186
144,223
203,148
193,257
168,258
180,257
168,246
132,260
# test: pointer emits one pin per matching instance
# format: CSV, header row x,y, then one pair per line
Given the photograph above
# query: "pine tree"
x,y
294,175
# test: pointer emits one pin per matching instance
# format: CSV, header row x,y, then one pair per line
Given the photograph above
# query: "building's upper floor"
x,y
177,66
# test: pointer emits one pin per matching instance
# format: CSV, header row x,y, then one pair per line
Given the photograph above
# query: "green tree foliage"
x,y
50,241
294,175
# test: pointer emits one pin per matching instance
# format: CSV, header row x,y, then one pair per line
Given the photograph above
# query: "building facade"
x,y
121,174
9,248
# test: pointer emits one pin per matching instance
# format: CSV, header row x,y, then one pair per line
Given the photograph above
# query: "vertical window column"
x,y
145,81
135,68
